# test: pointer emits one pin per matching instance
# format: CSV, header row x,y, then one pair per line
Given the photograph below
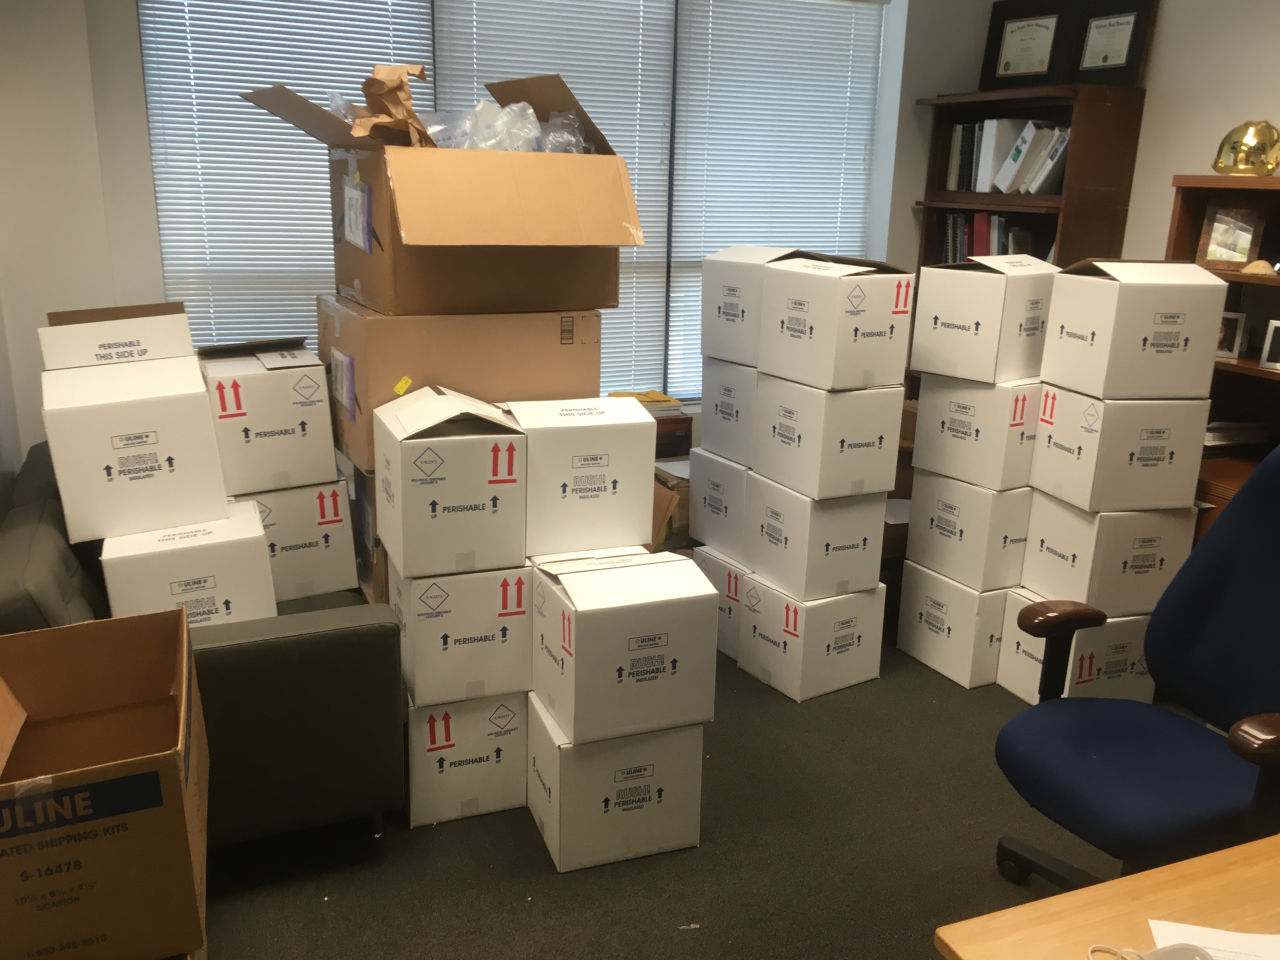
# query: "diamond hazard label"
x,y
306,387
434,596
429,462
263,511
1091,415
856,297
501,717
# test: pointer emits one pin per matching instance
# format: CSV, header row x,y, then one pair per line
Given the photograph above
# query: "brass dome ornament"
x,y
1251,149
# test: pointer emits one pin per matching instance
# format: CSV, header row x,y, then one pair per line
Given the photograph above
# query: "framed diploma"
x,y
1029,43
1113,39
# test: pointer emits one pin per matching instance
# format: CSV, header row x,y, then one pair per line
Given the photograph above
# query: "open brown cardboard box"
x,y
103,791
471,231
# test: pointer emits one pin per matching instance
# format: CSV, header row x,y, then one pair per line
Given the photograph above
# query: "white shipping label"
x,y
357,217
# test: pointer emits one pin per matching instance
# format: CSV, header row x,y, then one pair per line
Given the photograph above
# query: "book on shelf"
x,y
982,233
977,155
966,156
953,159
998,138
1006,156
1047,176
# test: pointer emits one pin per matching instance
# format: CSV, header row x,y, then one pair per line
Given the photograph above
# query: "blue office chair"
x,y
1142,783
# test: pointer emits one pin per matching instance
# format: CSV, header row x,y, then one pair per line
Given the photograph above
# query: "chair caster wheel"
x,y
1013,872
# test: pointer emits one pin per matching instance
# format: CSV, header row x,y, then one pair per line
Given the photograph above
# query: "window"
x,y
773,101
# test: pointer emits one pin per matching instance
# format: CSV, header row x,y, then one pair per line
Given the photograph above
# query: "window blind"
x,y
775,112
616,56
242,197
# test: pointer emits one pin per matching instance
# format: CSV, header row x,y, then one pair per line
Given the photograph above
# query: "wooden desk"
x,y
1235,889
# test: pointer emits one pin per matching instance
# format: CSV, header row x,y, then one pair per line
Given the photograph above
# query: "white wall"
x,y
1211,68
79,228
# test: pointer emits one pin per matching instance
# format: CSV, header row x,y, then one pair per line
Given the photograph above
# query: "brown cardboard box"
x,y
495,358
103,800
371,556
419,230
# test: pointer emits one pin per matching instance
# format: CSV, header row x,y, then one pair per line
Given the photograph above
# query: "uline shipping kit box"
x,y
727,427
624,644
1021,655
806,649
952,628
613,799
836,323
731,299
1130,330
90,338
219,570
1120,563
718,502
1105,455
133,447
981,433
813,548
104,797
825,443
590,473
372,359
451,485
729,579
466,635
983,319
309,539
270,409
467,758
967,532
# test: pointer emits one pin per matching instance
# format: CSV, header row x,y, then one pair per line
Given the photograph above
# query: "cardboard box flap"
x,y
745,254
243,522
279,359
418,413
605,560
121,382
548,94
811,266
250,348
484,198
534,414
1145,271
63,318
311,118
659,578
12,716
602,552
1016,264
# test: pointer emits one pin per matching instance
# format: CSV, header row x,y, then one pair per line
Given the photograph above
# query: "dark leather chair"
x,y
1142,783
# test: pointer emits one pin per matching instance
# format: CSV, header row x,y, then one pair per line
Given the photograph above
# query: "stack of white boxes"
x,y
270,405
798,345
1128,364
979,337
137,463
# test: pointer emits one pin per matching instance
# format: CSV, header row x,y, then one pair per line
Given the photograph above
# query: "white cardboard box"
x,y
218,569
1118,667
133,447
728,409
1118,562
967,532
1021,655
731,282
806,649
1107,455
827,443
981,433
813,548
835,324
590,473
718,501
1122,330
309,539
467,758
271,415
464,636
614,799
952,628
624,644
728,578
983,319
451,478
79,339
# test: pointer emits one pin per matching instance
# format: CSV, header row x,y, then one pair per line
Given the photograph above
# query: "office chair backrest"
x,y
1213,644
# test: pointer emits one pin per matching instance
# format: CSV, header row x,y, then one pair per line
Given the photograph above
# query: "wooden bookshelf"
x,y
1088,218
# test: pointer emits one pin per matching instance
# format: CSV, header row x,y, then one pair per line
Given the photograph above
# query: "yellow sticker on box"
x,y
404,384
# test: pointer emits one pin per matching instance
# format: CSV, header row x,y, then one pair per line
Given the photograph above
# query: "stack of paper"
x,y
656,402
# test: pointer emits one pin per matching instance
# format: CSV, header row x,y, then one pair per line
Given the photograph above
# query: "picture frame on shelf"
x,y
1030,43
1271,347
1232,335
1112,41
1229,237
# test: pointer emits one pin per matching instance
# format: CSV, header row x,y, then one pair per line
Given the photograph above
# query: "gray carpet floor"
x,y
848,826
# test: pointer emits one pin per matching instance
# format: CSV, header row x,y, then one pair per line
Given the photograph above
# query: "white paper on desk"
x,y
1220,944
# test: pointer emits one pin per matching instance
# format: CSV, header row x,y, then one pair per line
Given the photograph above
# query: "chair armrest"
x,y
1257,739
1051,617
